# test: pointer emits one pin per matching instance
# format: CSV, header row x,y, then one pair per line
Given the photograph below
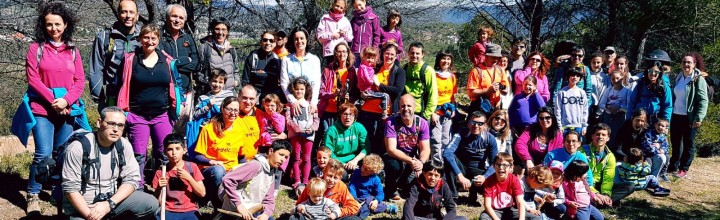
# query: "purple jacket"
x,y
542,82
366,30
395,36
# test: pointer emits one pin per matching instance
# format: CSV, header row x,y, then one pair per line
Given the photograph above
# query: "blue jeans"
x,y
657,162
365,208
212,179
178,215
589,212
49,133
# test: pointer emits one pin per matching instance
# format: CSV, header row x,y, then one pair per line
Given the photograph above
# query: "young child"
x,y
476,54
367,81
322,157
655,148
270,121
526,105
391,32
537,187
577,192
251,184
556,209
366,28
572,104
429,195
301,130
614,104
600,82
209,104
336,190
317,207
503,193
183,180
334,28
366,186
637,171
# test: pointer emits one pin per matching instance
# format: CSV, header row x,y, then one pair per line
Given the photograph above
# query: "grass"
x,y
694,198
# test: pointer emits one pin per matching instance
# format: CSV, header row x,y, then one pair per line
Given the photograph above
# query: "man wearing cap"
x,y
487,80
280,40
517,54
262,68
610,55
576,57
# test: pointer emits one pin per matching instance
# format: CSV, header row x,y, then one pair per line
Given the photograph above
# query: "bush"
x,y
708,137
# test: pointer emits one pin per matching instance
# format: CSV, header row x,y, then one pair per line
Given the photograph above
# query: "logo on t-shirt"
x,y
503,200
573,100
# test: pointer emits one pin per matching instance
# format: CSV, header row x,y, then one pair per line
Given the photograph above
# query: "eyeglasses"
x,y
503,165
230,110
115,125
535,59
519,46
547,118
657,72
348,115
268,40
499,119
577,55
477,123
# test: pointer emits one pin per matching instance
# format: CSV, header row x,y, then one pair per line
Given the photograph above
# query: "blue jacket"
x,y
472,150
655,105
362,186
563,156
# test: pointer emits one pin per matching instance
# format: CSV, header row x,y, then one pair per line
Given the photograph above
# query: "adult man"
x,y
109,49
99,196
610,55
262,68
469,155
407,139
585,83
179,44
487,81
517,53
603,164
420,82
246,123
280,40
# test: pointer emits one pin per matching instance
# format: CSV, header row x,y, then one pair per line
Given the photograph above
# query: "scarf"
x,y
336,16
364,14
443,74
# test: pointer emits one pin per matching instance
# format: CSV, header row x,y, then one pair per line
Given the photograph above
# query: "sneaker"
x,y
681,174
396,197
661,192
33,205
392,209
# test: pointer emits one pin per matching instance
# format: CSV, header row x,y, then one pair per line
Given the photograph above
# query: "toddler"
x,y
637,171
336,190
476,54
317,206
368,83
655,148
366,187
577,192
270,121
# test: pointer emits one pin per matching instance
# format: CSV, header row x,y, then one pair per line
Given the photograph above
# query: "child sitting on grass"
x,y
429,195
366,186
637,171
538,189
322,157
317,207
183,180
503,193
578,194
557,209
337,191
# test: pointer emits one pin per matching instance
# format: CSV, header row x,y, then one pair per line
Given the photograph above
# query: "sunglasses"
x,y
535,59
577,55
477,123
546,118
268,40
519,46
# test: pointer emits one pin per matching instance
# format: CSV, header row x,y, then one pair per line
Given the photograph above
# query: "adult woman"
x,y
216,150
392,82
148,95
218,53
630,134
347,139
334,89
56,81
300,62
653,95
447,87
538,139
500,128
690,106
536,65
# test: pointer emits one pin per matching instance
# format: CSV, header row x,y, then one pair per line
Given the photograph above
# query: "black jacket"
x,y
183,49
395,87
427,203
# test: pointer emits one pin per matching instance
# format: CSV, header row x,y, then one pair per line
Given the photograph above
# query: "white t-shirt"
x,y
680,92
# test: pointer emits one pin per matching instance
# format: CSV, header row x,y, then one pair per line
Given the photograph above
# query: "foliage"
x,y
707,140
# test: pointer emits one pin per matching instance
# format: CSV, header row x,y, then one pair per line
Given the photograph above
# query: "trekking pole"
x,y
163,193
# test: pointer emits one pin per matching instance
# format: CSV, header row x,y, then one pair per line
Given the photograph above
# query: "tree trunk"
x,y
612,22
641,39
536,25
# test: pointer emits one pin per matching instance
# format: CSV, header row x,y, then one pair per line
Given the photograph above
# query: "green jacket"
x,y
425,90
696,96
346,143
603,171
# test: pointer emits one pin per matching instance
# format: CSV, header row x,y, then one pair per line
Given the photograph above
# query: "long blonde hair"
x,y
504,134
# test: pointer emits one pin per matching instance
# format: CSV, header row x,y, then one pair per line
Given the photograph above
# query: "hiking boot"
x,y
681,174
33,205
392,209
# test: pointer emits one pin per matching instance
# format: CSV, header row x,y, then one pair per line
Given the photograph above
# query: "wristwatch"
x,y
112,204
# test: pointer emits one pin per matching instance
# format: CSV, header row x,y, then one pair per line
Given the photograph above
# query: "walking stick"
x,y
163,193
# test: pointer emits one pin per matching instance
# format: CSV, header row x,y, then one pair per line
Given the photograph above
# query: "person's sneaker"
x,y
660,191
396,197
681,174
664,178
391,208
33,205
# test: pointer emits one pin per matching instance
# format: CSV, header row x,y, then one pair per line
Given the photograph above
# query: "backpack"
x,y
399,124
422,80
50,167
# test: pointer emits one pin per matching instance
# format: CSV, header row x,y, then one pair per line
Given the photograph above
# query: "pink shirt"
x,y
542,82
365,76
56,70
582,196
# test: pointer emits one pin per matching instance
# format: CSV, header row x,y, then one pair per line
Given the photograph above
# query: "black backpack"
x,y
50,168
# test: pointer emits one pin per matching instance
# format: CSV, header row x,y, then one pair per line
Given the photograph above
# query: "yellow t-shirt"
x,y
373,105
332,104
238,140
446,89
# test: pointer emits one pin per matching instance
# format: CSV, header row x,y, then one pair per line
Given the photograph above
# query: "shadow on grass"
x,y
12,185
642,209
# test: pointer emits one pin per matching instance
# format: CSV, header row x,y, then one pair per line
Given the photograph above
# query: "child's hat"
x,y
557,165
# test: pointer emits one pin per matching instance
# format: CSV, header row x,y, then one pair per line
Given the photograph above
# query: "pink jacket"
x,y
542,82
569,189
532,151
365,77
56,70
325,31
124,95
276,120
327,85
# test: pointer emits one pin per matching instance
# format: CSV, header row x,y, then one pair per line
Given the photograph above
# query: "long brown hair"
x,y
218,121
544,64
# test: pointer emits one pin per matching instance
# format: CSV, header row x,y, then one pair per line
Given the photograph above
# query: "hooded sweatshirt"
x,y
325,31
427,202
366,30
251,184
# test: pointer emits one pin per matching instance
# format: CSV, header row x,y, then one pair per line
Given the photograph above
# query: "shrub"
x,y
708,137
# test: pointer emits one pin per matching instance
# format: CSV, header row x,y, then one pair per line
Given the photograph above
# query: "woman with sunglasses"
x,y
538,139
218,53
653,93
536,65
499,126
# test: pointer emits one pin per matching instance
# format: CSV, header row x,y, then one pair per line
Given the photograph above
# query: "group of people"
x,y
354,130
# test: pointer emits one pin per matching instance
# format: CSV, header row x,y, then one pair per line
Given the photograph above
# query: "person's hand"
x,y
60,103
538,199
572,205
661,151
494,88
373,205
276,137
260,71
330,213
417,164
215,162
351,165
534,212
342,32
244,213
99,210
183,174
296,108
162,182
347,97
336,35
64,111
464,182
584,130
696,124
435,118
606,200
550,197
529,164
301,209
313,108
363,95
479,180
